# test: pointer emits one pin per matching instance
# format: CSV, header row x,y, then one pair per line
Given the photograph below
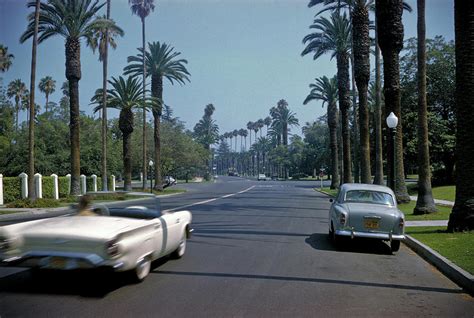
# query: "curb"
x,y
448,268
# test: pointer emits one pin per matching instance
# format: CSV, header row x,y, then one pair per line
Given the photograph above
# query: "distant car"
x,y
369,211
170,180
262,176
120,239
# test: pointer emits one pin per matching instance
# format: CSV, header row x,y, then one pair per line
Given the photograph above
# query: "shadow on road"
x,y
322,242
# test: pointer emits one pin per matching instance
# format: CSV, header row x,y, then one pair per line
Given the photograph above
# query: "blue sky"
x,y
244,55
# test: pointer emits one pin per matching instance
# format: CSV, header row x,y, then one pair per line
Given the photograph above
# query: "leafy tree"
x,y
72,20
6,58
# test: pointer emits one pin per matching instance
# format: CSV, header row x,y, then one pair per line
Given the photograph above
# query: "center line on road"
x,y
209,200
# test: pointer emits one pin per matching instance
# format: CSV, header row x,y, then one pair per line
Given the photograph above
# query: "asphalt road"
x,y
259,253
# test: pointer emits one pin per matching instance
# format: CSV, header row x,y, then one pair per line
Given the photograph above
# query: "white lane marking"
x,y
210,200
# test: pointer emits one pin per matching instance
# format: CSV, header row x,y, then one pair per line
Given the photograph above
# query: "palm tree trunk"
x,y
285,134
355,126
378,178
425,202
462,215
73,74
127,161
47,102
361,48
157,92
332,123
344,106
144,159
104,106
390,27
31,139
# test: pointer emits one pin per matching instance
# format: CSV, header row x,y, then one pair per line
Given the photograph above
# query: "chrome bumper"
x,y
380,236
60,260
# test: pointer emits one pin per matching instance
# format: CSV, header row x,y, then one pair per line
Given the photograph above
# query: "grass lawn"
x,y
441,193
457,247
407,208
332,192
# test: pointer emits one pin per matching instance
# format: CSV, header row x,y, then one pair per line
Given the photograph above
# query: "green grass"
x,y
332,192
440,193
457,247
407,208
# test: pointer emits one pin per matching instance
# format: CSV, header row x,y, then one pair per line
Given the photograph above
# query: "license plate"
x,y
371,224
57,263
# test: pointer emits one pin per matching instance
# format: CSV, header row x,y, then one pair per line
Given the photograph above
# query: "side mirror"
x,y
331,200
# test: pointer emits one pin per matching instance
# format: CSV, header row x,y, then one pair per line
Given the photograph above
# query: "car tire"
x,y
395,246
141,271
336,240
179,252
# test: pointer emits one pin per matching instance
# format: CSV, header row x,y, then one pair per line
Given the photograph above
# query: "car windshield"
x,y
367,196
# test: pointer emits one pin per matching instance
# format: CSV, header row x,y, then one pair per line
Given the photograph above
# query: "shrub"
x,y
48,188
39,203
63,184
299,175
11,189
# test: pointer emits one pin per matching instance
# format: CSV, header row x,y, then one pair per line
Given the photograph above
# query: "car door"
x,y
171,231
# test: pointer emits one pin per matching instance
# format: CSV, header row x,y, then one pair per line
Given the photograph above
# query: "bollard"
x,y
68,176
83,184
113,183
1,189
38,186
24,185
55,186
94,183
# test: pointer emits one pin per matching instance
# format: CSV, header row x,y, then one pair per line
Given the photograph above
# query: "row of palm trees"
x,y
79,19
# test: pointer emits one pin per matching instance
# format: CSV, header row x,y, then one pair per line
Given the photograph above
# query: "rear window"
x,y
367,196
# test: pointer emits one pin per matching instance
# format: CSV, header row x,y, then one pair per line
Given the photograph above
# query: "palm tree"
x,y
261,124
242,134
250,128
161,62
325,90
17,89
425,202
267,121
72,20
125,95
31,124
334,35
390,36
285,119
101,39
235,133
142,8
462,215
47,86
5,58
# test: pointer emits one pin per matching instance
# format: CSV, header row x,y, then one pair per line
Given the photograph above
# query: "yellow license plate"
x,y
57,262
371,224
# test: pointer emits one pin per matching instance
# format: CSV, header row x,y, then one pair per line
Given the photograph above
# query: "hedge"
x,y
63,184
11,189
48,188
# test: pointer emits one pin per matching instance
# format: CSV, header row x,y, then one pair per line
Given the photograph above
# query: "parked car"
x,y
120,238
169,181
262,176
368,211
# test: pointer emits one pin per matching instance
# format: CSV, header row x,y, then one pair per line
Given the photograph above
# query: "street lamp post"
x,y
392,122
150,163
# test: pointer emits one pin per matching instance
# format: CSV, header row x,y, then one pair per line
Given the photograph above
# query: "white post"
x,y
38,186
1,189
83,184
24,185
141,177
113,183
94,183
55,186
68,176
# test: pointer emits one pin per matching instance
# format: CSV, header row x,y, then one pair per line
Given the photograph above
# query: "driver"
x,y
84,206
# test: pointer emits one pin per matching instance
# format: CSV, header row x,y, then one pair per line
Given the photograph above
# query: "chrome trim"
x,y
381,236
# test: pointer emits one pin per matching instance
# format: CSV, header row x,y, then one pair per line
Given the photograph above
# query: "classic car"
x,y
261,176
120,238
367,211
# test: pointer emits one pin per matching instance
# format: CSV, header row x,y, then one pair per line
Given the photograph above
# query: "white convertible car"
x,y
122,239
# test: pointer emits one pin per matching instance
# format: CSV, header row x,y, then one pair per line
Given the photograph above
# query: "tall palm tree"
x,y
161,62
235,133
101,39
6,58
242,134
31,123
17,89
261,124
125,95
425,202
390,32
325,90
462,215
250,128
285,119
142,8
267,121
72,20
334,35
47,86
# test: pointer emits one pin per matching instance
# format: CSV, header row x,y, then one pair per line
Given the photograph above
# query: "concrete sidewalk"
x,y
427,223
440,202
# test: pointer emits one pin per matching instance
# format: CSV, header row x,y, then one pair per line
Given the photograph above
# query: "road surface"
x,y
259,249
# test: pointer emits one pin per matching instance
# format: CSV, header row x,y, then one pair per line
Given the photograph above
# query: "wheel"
x,y
336,240
179,252
142,270
395,246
